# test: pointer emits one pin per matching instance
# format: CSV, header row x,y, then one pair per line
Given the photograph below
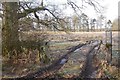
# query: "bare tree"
x,y
13,12
93,24
84,22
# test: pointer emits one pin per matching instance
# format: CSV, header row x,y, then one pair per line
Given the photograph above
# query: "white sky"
x,y
111,11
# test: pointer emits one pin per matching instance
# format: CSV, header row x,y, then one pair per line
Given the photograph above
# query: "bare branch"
x,y
28,11
52,13
41,8
48,23
42,3
27,6
73,4
36,16
95,4
22,7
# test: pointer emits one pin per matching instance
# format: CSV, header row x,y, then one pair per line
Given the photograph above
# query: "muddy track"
x,y
88,68
53,68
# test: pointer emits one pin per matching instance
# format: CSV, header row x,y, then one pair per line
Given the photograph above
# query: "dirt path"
x,y
89,69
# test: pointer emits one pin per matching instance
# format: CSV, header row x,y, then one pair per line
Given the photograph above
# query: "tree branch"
x,y
28,11
42,8
48,23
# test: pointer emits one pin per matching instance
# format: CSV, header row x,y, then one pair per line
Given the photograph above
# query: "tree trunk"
x,y
10,38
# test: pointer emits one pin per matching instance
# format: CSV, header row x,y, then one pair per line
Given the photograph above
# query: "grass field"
x,y
54,37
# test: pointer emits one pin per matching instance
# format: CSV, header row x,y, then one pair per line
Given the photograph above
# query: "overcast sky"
x,y
111,8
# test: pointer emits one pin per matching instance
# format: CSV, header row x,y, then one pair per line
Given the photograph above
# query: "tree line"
x,y
72,23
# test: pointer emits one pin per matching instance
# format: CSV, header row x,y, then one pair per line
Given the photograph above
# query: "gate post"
x,y
109,38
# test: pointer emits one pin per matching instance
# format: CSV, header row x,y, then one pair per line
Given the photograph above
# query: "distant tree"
x,y
69,23
84,22
101,21
93,23
76,23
